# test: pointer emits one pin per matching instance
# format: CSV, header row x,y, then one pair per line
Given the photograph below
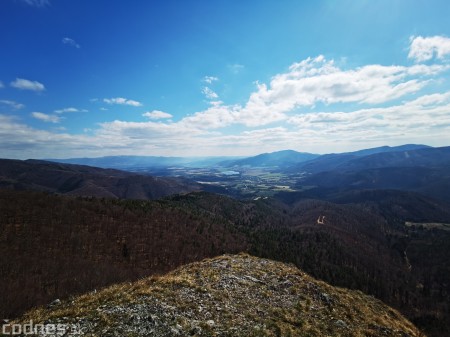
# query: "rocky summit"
x,y
230,295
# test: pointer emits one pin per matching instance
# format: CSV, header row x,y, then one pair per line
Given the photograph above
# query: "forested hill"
x,y
77,244
87,181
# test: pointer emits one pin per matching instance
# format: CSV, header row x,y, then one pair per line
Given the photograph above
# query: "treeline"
x,y
52,246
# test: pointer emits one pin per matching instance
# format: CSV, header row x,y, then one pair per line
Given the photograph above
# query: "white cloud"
x,y
215,117
368,113
70,42
23,84
235,68
122,101
425,48
12,104
424,117
37,3
46,117
210,79
318,80
313,81
156,114
71,109
1,85
422,120
209,93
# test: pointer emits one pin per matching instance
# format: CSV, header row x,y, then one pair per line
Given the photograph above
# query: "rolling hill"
x,y
230,295
280,159
87,181
426,171
377,157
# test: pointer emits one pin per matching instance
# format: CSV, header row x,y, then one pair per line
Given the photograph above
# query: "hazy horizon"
x,y
223,78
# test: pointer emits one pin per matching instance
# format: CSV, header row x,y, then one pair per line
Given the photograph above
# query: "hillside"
x,y
280,159
78,244
426,171
385,156
135,162
87,181
232,295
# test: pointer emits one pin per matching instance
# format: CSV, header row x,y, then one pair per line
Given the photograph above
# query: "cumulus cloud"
x,y
46,117
215,117
70,42
157,114
122,101
71,109
317,80
21,141
312,81
210,79
363,105
24,84
425,48
424,120
12,104
424,117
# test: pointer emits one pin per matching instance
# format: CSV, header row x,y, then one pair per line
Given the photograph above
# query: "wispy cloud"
x,y
210,79
236,68
425,48
122,101
70,42
157,114
71,109
12,104
23,84
46,117
209,93
36,3
365,106
313,81
1,85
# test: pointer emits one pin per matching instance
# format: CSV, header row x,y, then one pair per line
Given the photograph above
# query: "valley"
x,y
374,220
242,182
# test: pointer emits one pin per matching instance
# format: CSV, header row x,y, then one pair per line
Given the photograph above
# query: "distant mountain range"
x,y
334,161
282,160
134,162
278,159
424,170
377,220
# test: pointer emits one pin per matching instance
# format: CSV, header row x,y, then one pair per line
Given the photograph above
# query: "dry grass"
x,y
245,296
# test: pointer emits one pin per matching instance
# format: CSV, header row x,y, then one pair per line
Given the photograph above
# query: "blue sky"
x,y
85,78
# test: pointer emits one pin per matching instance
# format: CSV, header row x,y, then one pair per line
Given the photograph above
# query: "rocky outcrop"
x,y
230,295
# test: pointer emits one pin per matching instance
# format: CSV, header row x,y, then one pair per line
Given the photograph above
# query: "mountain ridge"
x,y
273,159
85,180
334,161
